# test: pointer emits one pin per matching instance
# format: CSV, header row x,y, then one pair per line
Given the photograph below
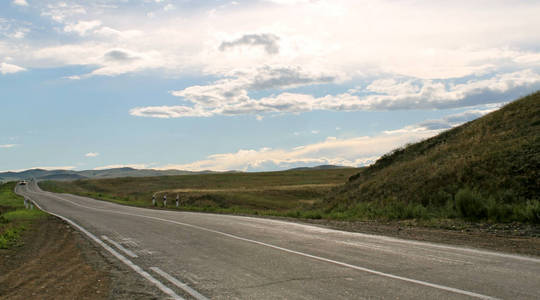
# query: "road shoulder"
x,y
54,261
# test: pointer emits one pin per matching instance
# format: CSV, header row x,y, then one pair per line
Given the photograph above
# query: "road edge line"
x,y
123,259
120,247
178,283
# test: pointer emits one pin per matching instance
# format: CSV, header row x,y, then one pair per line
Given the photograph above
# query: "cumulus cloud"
x,y
91,154
6,68
230,96
20,2
82,27
266,40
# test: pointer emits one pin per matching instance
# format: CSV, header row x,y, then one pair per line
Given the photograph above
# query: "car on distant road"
x,y
23,182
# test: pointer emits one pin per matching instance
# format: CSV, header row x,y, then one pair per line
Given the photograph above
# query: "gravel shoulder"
x,y
509,238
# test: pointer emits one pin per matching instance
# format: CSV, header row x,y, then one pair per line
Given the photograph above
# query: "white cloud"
x,y
230,96
109,61
6,68
82,27
20,2
357,151
354,39
91,154
134,166
169,7
441,42
61,11
20,33
7,146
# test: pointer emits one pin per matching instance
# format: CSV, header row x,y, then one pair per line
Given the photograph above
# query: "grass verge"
x,y
14,218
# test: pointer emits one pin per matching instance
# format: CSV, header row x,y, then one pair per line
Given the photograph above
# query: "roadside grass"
x,y
298,194
14,218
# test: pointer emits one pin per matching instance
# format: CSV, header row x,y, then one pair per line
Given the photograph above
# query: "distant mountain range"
x,y
68,175
41,174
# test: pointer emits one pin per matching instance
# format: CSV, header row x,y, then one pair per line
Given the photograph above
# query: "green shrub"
x,y
499,211
533,211
470,204
9,237
312,215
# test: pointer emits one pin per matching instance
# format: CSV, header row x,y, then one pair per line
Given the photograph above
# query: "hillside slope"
x,y
487,168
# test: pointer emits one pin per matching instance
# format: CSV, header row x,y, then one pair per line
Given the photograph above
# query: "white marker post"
x,y
177,200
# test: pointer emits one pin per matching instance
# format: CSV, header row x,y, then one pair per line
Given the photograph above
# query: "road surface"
x,y
208,256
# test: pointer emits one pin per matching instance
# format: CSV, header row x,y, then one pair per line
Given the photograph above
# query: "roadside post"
x,y
154,200
165,200
177,200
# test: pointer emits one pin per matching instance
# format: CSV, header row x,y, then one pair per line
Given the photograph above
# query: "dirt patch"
x,y
57,262
50,265
509,238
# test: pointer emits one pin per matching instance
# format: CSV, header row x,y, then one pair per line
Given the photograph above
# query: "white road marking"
x,y
126,261
179,284
393,239
382,274
406,254
120,247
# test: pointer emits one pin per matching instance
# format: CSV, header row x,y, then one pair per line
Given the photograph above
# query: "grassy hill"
x,y
488,168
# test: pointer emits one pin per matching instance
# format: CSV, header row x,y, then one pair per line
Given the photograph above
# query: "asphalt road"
x,y
195,255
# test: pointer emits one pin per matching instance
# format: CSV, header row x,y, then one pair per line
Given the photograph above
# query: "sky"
x,y
257,85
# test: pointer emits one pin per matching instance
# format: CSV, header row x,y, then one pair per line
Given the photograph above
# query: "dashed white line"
x,y
123,259
120,247
179,284
382,274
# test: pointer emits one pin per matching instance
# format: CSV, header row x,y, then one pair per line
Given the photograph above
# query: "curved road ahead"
x,y
199,256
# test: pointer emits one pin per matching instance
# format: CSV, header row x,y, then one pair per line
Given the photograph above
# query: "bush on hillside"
x,y
470,204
